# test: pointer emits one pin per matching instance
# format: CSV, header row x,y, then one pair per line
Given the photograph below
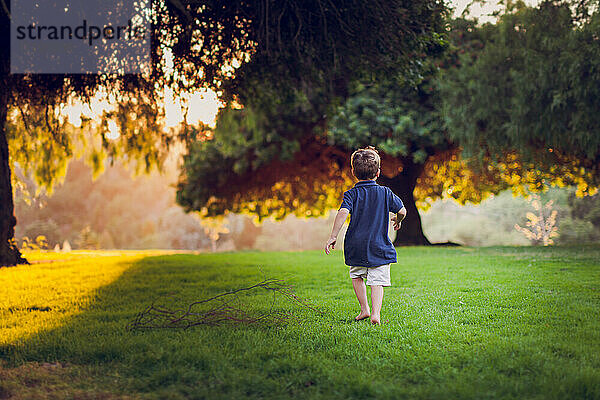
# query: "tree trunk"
x,y
403,185
9,253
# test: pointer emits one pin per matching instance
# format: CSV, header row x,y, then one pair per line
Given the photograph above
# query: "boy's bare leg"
x,y
361,294
376,300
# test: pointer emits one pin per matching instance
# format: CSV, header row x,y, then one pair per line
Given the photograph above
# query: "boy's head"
x,y
365,163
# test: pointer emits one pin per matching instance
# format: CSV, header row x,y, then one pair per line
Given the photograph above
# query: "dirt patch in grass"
x,y
43,380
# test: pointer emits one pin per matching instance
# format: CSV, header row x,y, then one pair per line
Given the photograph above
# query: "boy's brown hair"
x,y
365,163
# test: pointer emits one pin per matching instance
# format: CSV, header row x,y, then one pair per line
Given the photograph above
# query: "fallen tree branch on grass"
x,y
225,307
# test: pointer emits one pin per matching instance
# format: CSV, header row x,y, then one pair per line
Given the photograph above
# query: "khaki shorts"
x,y
375,276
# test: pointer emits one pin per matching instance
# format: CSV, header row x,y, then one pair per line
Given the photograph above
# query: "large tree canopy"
x,y
275,143
269,50
307,176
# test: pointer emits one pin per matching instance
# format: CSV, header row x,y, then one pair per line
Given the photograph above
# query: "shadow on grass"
x,y
98,330
163,363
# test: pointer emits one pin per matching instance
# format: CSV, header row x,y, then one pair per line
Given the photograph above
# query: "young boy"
x,y
367,247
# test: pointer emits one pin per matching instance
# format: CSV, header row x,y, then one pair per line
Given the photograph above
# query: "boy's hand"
x,y
396,222
330,242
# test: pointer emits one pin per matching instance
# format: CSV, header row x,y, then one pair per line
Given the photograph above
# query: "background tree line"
x,y
142,214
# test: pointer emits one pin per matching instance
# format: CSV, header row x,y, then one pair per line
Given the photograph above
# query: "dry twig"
x,y
222,308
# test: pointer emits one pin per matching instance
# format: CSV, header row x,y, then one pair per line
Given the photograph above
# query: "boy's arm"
x,y
398,217
337,225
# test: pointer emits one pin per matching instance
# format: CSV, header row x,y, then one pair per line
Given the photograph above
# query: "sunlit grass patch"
x,y
55,286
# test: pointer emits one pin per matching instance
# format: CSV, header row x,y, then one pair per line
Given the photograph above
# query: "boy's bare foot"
x,y
362,316
375,320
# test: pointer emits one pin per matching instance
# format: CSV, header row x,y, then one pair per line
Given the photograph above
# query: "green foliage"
x,y
42,150
44,156
313,44
288,88
503,322
302,48
293,58
303,65
403,120
528,84
398,119
253,160
254,152
251,139
489,74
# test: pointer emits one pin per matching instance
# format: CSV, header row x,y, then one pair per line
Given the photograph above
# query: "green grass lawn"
x,y
458,323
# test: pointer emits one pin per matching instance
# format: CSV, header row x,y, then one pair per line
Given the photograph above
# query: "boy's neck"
x,y
367,180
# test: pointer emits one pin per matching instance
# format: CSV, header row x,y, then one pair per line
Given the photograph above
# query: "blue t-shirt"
x,y
367,243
